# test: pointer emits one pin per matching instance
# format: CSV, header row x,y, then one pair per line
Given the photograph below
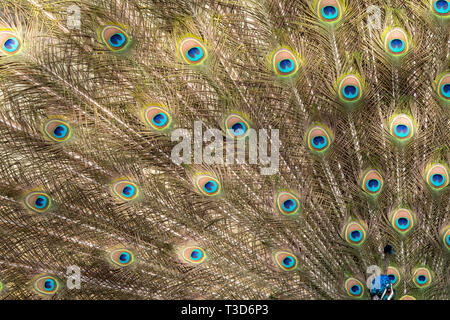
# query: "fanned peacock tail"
x,y
96,95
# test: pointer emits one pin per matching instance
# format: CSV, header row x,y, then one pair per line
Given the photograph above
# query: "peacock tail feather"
x,y
132,148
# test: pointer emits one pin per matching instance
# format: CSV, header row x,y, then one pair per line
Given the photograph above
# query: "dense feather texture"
x,y
86,178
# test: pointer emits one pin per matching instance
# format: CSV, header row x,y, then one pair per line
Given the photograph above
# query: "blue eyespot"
x,y
37,201
56,130
49,285
114,37
121,257
238,129
117,40
441,6
437,179
373,185
402,223
192,50
159,120
60,131
128,191
329,12
207,184
356,290
236,126
195,53
445,89
350,92
286,65
319,142
319,139
124,190
285,260
288,262
11,45
392,277
396,42
421,279
124,257
196,255
402,130
210,187
447,239
355,236
284,62
157,117
289,205
41,202
396,45
437,176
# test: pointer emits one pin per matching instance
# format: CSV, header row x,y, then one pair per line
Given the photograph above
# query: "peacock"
x,y
224,149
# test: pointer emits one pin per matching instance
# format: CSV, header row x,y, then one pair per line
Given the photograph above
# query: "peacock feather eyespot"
x,y
236,126
437,176
285,260
37,201
285,63
445,234
10,43
354,233
354,288
192,50
372,182
402,127
57,130
193,254
350,88
422,277
329,11
318,138
402,220
207,185
443,87
125,190
396,42
287,203
46,285
394,275
440,8
114,37
121,257
407,297
157,117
